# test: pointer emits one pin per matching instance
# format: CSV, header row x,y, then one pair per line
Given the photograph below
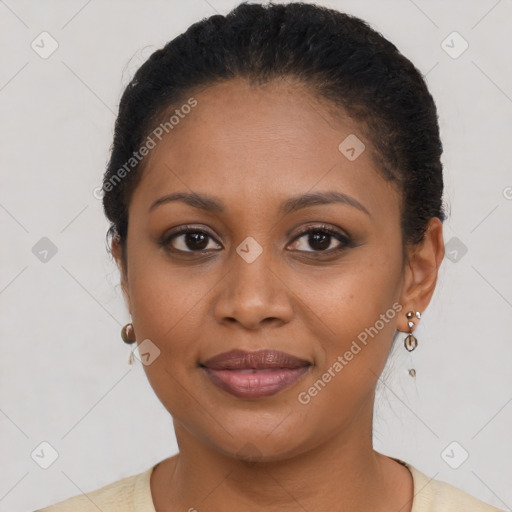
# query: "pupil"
x,y
322,238
197,239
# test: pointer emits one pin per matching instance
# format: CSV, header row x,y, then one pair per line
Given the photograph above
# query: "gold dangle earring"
x,y
410,341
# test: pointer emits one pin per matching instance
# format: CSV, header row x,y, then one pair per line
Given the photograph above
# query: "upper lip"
x,y
267,358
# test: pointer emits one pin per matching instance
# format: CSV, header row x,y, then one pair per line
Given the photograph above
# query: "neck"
x,y
343,473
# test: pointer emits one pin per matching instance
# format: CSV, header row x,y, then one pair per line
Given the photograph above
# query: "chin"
x,y
267,443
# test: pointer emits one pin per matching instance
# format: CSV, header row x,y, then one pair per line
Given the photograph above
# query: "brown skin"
x,y
254,147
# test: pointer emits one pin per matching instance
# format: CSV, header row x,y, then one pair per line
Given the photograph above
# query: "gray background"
x,y
64,377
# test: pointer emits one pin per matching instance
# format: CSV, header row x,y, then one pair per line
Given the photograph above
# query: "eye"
x,y
321,239
188,239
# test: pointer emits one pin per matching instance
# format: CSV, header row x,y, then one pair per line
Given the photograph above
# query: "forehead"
x,y
248,143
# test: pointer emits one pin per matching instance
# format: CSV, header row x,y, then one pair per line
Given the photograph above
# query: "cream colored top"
x,y
133,494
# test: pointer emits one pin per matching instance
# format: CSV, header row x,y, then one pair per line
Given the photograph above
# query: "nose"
x,y
253,295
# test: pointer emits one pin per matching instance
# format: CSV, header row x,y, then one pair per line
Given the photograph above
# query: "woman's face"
x,y
250,277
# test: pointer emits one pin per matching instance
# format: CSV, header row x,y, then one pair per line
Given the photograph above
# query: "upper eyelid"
x,y
322,227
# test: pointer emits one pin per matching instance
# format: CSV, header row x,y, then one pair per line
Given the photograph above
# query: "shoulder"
x,y
437,496
130,494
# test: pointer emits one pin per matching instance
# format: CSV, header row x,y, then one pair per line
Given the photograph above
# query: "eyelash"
x,y
345,241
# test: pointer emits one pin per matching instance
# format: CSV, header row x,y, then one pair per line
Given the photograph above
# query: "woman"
x,y
275,198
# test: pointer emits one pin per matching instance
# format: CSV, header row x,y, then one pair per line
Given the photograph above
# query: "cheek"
x,y
171,306
167,305
168,310
360,312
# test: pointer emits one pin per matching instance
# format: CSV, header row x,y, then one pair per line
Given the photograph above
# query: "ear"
x,y
117,252
421,271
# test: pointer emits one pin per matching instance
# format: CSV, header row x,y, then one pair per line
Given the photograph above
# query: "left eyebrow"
x,y
212,204
317,198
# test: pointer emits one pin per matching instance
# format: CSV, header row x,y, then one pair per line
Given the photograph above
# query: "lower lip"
x,y
260,383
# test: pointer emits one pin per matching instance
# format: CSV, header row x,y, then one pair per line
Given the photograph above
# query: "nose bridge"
x,y
252,292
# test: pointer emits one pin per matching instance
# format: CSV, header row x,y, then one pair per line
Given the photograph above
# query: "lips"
x,y
254,374
263,359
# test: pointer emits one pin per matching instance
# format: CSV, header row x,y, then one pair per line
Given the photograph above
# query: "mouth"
x,y
254,374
